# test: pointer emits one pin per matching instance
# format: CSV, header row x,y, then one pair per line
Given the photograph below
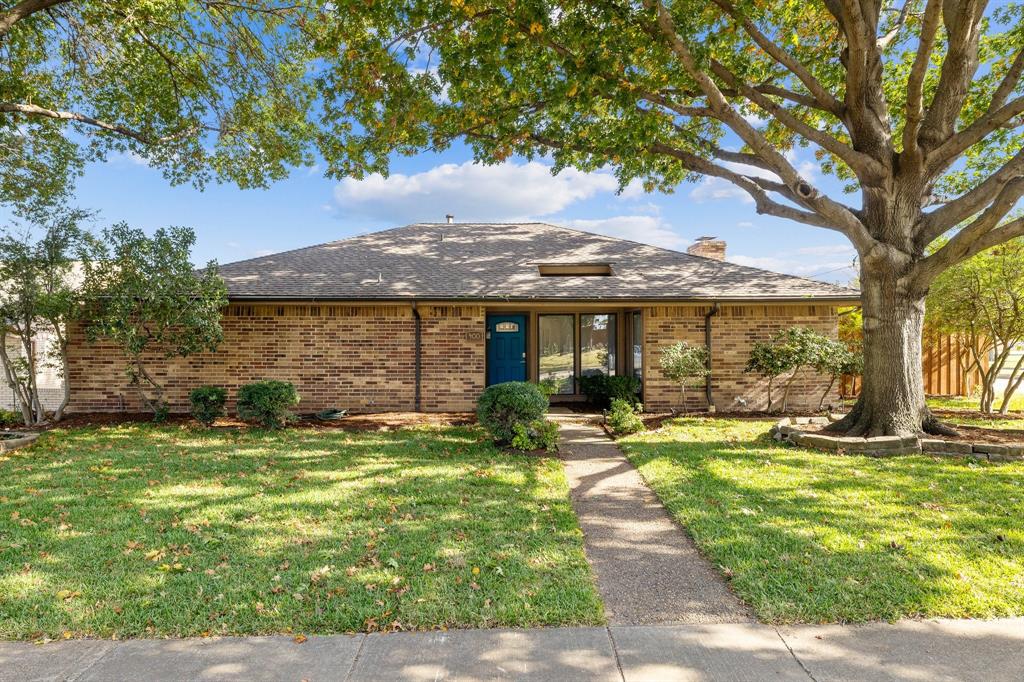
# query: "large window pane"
x,y
557,344
638,345
597,344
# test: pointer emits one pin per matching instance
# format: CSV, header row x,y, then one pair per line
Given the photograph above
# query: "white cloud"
x,y
790,263
472,192
744,223
639,228
716,189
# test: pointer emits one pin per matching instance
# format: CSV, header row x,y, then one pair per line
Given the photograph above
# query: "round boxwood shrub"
x,y
208,403
502,406
267,403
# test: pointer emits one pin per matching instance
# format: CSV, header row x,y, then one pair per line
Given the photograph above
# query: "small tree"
x,y
836,359
789,350
145,296
38,295
981,300
683,363
769,361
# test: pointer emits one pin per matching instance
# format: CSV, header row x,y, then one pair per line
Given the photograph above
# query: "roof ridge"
x,y
687,254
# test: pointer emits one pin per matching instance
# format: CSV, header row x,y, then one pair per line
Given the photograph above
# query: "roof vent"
x,y
574,269
707,247
449,218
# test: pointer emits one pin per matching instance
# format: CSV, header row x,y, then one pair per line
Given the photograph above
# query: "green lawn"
x,y
153,531
813,537
969,403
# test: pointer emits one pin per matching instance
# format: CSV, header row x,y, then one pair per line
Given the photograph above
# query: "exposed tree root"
x,y
933,427
862,423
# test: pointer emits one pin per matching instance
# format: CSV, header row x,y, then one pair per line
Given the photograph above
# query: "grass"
x,y
162,531
813,537
970,405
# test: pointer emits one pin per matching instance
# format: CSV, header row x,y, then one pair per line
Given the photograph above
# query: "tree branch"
x,y
958,68
825,99
956,211
833,213
867,168
956,145
33,110
23,9
957,251
915,81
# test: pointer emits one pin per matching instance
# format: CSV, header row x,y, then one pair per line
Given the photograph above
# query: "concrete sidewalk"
x,y
935,651
648,570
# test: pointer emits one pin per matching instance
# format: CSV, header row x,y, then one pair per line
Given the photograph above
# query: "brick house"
x,y
424,317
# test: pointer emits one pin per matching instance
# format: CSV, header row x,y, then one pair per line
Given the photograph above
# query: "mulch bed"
x,y
964,434
384,421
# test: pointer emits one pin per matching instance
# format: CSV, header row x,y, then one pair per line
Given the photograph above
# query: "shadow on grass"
x,y
143,530
815,537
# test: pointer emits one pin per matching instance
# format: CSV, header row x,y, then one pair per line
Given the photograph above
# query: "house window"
x,y
556,345
638,345
597,344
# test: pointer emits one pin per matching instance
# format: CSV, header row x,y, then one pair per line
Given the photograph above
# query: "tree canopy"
x,y
201,89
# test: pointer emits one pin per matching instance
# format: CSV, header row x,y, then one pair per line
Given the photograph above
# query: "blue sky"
x,y
233,224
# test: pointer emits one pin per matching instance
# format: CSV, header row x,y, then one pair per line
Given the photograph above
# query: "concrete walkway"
x,y
648,570
932,651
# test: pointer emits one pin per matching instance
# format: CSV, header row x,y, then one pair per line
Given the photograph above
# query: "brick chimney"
x,y
708,247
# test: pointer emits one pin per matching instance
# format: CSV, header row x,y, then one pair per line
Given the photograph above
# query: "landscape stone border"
x,y
8,444
788,430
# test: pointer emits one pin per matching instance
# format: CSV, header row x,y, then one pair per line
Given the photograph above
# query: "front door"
x,y
506,348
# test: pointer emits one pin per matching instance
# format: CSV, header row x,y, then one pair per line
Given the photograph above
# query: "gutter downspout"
x,y
707,344
417,352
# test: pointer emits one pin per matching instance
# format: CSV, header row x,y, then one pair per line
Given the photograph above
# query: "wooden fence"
x,y
943,368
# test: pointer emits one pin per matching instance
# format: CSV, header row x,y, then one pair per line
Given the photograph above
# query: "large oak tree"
x,y
916,105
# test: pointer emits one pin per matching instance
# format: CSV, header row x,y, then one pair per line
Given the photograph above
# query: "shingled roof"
x,y
500,261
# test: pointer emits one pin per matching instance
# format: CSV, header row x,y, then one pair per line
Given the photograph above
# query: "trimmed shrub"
x,y
625,417
502,406
267,403
9,418
208,403
601,389
624,388
537,435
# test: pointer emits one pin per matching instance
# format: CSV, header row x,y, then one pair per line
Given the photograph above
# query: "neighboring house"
x,y
48,378
424,317
1003,379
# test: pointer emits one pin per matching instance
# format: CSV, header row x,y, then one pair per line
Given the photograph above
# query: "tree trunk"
x,y
892,401
1014,383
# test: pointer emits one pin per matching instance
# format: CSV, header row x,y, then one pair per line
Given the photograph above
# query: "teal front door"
x,y
506,348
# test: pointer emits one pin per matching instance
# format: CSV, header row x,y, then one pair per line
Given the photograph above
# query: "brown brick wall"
x,y
734,330
453,357
362,357
358,358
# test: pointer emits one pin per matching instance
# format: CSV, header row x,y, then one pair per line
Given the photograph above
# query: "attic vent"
x,y
574,269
